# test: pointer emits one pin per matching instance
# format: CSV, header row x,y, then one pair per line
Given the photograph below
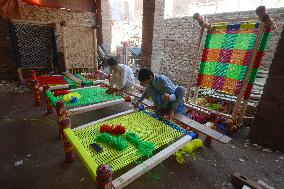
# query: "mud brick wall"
x,y
175,42
38,14
268,126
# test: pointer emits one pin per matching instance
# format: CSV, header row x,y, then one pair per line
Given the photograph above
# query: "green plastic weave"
x,y
87,82
147,127
71,83
92,95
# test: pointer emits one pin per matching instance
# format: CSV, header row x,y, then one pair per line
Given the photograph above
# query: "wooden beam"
x,y
150,163
239,100
195,61
30,22
203,129
94,106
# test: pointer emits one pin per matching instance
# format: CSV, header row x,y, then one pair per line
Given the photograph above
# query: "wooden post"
x,y
63,25
203,24
104,177
194,65
268,23
36,92
196,91
33,75
21,76
47,101
61,115
239,110
68,148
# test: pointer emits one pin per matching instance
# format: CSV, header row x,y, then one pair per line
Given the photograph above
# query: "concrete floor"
x,y
28,135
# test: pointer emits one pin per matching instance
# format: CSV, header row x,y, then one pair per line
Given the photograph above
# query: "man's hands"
x,y
111,90
166,97
136,104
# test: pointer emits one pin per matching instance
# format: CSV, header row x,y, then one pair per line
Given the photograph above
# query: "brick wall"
x,y
268,126
175,41
39,14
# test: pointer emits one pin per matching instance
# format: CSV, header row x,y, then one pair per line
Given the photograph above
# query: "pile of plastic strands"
x,y
69,97
116,142
144,148
189,148
114,129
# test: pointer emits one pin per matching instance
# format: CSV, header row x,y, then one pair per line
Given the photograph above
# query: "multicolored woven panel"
x,y
52,80
34,45
226,56
147,127
91,95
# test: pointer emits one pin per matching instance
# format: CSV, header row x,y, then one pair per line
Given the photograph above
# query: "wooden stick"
x,y
94,106
203,129
30,22
192,73
243,109
21,75
196,91
250,67
150,163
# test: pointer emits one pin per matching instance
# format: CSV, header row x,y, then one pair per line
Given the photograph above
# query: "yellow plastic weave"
x,y
147,127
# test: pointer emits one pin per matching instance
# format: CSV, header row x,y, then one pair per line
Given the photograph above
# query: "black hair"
x,y
145,74
112,61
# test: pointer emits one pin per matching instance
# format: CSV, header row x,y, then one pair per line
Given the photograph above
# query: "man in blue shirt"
x,y
167,98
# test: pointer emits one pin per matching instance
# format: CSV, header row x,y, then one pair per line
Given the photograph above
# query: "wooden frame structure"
x,y
65,39
241,103
15,44
120,182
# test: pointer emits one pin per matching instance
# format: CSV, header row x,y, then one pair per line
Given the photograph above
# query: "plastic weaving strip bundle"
x,y
226,56
148,128
92,95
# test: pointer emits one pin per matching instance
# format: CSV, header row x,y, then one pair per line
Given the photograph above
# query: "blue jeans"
x,y
177,105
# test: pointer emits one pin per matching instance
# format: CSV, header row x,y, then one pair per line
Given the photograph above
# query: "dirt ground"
x,y
32,155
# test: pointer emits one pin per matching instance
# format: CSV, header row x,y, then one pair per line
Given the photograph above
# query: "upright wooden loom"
x,y
79,47
245,85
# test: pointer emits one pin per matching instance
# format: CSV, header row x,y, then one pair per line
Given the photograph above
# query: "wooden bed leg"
x,y
68,148
61,115
36,92
104,177
47,101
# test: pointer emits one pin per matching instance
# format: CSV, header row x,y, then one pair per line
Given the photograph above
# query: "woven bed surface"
x,y
147,127
92,95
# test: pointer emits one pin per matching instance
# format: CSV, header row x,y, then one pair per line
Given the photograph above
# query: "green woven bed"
x,y
91,95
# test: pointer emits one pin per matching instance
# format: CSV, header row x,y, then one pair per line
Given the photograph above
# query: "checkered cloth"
x,y
226,56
